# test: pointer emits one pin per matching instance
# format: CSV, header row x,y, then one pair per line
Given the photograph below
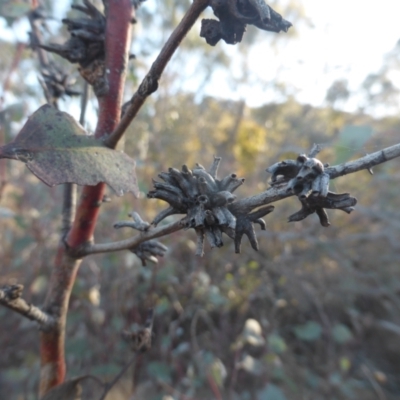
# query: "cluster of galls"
x,y
233,17
307,178
56,83
208,204
86,45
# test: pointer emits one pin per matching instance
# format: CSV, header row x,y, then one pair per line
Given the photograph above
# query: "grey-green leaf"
x,y
57,150
309,331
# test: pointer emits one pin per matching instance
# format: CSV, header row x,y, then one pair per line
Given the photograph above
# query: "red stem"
x,y
118,32
214,387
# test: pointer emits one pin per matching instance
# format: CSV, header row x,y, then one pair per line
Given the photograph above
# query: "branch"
x,y
150,82
10,297
280,192
53,370
365,162
110,385
134,241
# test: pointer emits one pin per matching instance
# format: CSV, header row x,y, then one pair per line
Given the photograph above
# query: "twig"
x,y
140,342
10,297
315,150
365,162
108,386
193,326
214,387
150,81
277,193
70,189
375,385
84,102
196,348
271,195
152,233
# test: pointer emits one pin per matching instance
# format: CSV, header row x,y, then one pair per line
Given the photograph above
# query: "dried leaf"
x,y
72,389
57,150
69,390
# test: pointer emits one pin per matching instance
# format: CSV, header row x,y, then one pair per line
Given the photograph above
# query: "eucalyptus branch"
x,y
10,297
366,162
127,244
200,218
150,82
280,192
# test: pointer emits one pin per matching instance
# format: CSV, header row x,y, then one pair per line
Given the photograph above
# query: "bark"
x,y
66,266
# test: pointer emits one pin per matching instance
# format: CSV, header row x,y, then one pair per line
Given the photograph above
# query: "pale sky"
x,y
349,39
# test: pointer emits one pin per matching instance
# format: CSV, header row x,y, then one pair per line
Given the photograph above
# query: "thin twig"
x,y
196,348
277,193
375,385
134,241
84,103
108,386
150,82
70,189
10,297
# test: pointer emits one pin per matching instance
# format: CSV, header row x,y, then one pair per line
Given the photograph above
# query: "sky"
x,y
347,39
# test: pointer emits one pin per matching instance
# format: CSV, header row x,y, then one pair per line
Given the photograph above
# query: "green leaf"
x,y
57,150
341,333
351,140
218,372
276,343
310,331
271,392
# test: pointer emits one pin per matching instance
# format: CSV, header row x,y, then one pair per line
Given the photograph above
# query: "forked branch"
x,y
150,82
242,207
10,297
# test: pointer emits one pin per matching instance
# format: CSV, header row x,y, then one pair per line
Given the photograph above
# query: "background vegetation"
x,y
313,315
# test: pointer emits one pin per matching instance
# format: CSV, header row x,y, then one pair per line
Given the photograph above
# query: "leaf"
x,y
310,331
271,392
218,372
341,334
276,343
69,390
57,150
